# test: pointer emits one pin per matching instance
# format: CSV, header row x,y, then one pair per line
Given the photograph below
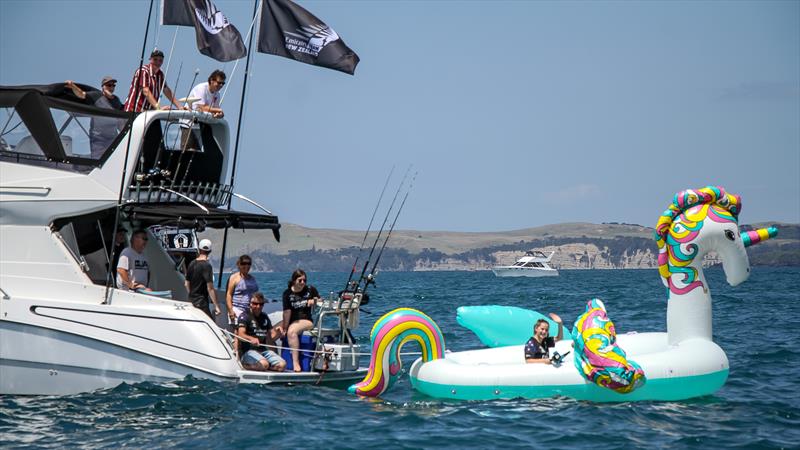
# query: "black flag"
x,y
216,37
292,32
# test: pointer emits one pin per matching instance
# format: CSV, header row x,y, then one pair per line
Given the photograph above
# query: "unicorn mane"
x,y
714,203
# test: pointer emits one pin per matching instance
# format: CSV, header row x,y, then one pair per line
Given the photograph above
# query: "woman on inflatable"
x,y
537,349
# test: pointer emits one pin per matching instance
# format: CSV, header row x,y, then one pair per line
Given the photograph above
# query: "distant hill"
x,y
577,246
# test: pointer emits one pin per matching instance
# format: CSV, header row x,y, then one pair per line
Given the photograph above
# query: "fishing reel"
x,y
558,358
153,175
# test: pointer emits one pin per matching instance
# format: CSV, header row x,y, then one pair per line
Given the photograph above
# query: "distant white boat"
x,y
533,264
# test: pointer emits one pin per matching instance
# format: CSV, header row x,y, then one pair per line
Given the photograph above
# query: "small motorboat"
x,y
533,264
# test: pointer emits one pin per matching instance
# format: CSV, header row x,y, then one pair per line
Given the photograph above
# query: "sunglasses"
x,y
257,303
221,83
301,280
245,264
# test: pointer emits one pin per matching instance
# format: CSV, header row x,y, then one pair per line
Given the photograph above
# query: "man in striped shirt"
x,y
143,94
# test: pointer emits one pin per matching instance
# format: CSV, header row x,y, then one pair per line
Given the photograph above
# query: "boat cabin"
x,y
170,165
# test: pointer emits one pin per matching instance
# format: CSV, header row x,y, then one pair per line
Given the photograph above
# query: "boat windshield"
x,y
38,127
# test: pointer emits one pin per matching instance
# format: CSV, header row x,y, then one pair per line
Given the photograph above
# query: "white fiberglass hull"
x,y
58,348
524,272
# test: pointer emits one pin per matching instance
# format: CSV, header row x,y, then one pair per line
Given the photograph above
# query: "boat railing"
x,y
205,193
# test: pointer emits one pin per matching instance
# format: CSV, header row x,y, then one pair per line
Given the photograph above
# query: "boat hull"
x,y
523,272
691,369
49,347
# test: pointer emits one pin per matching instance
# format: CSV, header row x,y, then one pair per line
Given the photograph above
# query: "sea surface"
x,y
759,407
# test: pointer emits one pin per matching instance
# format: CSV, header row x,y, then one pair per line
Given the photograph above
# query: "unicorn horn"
x,y
753,237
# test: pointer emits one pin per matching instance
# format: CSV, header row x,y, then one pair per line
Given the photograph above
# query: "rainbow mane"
x,y
388,336
675,238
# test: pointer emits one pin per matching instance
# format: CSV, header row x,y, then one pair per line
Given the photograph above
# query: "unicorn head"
x,y
697,222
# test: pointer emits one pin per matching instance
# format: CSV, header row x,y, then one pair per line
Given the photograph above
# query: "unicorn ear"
x,y
754,237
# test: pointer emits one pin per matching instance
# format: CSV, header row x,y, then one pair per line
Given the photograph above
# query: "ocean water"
x,y
759,407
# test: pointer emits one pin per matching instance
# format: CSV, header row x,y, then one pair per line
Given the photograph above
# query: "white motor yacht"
x,y
533,264
64,327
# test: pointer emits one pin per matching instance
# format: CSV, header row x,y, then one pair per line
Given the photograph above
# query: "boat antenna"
x,y
371,276
127,155
238,135
363,241
380,231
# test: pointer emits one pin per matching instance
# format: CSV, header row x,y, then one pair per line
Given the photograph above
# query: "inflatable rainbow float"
x,y
682,363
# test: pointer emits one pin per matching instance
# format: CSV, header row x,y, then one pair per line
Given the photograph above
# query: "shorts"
x,y
252,357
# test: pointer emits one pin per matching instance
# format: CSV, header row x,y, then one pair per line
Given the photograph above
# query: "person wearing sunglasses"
x,y
298,299
205,98
133,271
257,338
241,286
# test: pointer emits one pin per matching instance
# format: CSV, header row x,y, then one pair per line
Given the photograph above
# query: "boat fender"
x,y
597,356
393,330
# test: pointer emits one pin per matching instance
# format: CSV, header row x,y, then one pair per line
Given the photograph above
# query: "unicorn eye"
x,y
730,235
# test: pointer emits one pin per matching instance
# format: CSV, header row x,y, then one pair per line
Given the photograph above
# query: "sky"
x,y
515,114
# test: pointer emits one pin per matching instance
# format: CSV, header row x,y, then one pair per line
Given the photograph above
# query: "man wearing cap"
x,y
102,130
147,84
200,280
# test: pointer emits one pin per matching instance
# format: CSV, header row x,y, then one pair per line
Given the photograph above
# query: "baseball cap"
x,y
157,52
107,79
205,245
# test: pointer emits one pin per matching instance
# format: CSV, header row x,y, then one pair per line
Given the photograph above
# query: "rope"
x,y
277,347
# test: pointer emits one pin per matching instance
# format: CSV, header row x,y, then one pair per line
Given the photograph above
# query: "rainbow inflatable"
x,y
388,336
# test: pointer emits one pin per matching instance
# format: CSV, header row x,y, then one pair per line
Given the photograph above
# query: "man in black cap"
x,y
147,84
102,130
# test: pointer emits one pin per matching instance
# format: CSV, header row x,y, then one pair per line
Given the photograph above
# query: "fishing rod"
x,y
184,145
363,241
371,276
380,231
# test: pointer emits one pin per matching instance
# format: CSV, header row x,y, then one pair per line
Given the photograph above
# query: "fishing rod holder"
x,y
205,193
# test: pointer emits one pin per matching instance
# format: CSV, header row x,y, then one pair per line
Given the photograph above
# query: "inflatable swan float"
x,y
599,365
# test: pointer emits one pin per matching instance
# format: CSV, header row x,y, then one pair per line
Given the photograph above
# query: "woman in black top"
x,y
537,347
298,299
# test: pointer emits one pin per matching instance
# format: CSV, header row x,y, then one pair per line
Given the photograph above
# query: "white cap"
x,y
205,245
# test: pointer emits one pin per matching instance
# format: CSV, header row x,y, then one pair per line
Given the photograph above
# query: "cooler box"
x,y
306,357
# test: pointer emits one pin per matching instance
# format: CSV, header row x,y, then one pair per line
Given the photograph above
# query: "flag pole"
x,y
127,154
236,144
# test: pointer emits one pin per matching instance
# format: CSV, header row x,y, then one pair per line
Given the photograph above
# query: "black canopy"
x,y
33,103
184,215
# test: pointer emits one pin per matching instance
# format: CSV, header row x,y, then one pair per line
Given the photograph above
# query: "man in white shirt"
x,y
208,95
133,272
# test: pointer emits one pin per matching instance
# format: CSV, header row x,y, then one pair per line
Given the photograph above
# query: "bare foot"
x,y
298,369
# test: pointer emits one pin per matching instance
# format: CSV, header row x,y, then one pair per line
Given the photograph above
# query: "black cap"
x,y
157,52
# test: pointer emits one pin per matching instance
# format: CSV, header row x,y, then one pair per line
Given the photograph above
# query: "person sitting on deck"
x,y
255,330
133,271
298,299
537,347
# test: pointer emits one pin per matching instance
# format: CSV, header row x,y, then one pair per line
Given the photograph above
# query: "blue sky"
x,y
515,113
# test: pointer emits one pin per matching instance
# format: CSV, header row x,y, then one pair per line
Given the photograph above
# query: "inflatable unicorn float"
x,y
597,364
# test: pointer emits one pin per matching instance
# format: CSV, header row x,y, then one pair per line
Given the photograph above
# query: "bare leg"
x,y
293,336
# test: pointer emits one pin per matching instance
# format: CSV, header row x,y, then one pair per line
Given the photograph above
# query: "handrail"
x,y
43,188
252,202
187,198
